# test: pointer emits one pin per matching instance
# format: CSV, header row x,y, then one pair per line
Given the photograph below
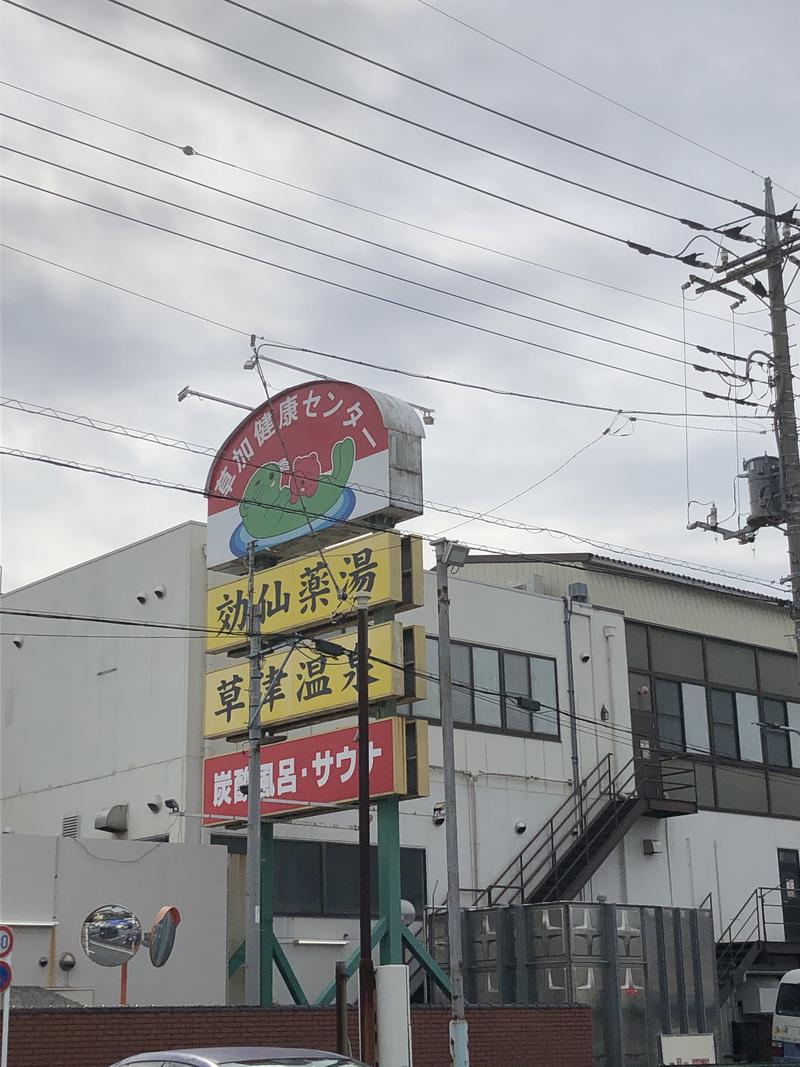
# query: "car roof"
x,y
201,1057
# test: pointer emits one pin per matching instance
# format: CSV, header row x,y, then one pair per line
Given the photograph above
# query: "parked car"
x,y
239,1057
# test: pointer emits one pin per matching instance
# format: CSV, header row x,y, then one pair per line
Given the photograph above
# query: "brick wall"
x,y
97,1037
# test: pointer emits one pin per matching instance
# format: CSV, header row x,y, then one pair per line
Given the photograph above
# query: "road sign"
x,y
5,975
6,940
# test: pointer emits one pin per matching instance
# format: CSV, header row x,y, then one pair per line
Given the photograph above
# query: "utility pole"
x,y
743,271
449,553
366,969
785,417
252,943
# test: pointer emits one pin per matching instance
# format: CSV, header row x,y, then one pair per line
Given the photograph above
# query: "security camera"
x,y
160,592
172,805
155,803
439,813
585,657
520,827
643,691
142,598
43,961
66,961
18,642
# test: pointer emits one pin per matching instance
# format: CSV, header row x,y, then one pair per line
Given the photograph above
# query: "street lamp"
x,y
451,554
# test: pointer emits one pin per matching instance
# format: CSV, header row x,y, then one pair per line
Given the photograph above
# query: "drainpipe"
x,y
610,632
573,722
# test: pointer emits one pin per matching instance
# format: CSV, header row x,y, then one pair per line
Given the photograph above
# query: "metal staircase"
x,y
746,938
561,857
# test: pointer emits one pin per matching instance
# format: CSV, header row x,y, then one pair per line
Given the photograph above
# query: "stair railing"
x,y
751,925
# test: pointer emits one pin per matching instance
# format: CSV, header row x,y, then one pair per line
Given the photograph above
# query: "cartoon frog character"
x,y
270,508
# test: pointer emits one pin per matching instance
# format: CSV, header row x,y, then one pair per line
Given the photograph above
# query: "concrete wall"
x,y
49,885
98,715
725,854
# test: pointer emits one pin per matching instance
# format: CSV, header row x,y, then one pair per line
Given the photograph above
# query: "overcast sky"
x,y
83,347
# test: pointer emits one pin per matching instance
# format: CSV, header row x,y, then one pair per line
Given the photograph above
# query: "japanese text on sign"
x,y
305,684
313,771
308,592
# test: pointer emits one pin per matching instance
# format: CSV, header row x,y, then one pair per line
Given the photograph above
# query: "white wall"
x,y
728,855
47,879
100,715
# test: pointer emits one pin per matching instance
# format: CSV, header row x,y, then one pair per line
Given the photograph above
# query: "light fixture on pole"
x,y
451,554
186,391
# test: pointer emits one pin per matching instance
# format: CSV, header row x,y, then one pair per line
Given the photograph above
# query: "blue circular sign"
x,y
5,975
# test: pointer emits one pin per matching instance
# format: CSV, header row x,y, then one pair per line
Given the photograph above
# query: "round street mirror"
x,y
162,935
111,935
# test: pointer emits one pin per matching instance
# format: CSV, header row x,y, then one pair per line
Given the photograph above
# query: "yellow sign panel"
x,y
304,684
310,591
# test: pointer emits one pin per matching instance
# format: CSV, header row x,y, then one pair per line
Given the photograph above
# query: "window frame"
x,y
502,730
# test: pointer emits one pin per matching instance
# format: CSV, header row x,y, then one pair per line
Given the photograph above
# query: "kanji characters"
x,y
275,603
287,778
314,679
311,403
267,781
351,676
321,764
360,571
287,411
264,428
315,587
232,612
229,690
222,788
241,776
225,482
271,683
346,756
243,454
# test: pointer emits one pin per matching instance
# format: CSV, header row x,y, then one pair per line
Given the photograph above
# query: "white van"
x,y
786,1021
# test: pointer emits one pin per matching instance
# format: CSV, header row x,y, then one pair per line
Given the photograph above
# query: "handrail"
x,y
540,856
748,927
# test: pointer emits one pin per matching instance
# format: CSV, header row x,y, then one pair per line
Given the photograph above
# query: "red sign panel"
x,y
307,461
309,772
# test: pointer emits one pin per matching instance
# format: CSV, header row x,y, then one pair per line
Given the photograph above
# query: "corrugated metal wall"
x,y
654,600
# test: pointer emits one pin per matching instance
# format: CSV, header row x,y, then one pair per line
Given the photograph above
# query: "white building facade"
x,y
630,664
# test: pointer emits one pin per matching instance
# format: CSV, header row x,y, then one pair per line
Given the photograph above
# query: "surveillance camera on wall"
x,y
155,803
142,598
66,961
520,826
160,592
585,657
172,805
18,642
439,813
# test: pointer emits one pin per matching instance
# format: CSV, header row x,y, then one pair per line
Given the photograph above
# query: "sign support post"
x,y
6,1016
389,879
366,970
252,974
266,927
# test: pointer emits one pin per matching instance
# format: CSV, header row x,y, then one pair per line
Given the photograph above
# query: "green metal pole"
x,y
389,879
266,932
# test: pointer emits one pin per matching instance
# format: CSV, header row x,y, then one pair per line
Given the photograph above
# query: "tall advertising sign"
x,y
321,459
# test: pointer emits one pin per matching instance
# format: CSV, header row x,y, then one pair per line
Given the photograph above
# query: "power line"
x,y
189,150
596,92
456,383
349,288
355,524
355,237
634,245
375,270
421,125
482,107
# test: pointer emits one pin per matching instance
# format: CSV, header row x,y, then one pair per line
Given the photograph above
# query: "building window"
x,y
487,684
668,714
723,723
777,741
681,716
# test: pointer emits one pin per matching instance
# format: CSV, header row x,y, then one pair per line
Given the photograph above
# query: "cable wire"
x,y
345,233
354,524
346,288
188,150
634,245
596,92
477,104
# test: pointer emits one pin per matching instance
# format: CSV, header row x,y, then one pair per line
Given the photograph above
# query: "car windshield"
x,y
788,1002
